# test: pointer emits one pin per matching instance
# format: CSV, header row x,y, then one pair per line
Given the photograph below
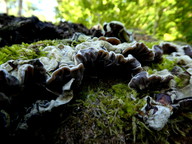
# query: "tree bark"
x,y
20,8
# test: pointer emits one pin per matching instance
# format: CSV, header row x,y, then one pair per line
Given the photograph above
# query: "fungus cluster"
x,y
46,78
29,88
104,63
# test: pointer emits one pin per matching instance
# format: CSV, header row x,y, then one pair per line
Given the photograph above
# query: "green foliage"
x,y
13,7
168,20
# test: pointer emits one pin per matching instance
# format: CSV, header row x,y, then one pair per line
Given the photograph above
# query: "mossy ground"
x,y
106,111
109,114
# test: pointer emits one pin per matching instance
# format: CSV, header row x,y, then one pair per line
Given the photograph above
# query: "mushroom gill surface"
x,y
141,52
143,82
104,63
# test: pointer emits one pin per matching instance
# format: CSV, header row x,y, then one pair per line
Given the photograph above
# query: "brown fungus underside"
x,y
144,82
141,52
100,63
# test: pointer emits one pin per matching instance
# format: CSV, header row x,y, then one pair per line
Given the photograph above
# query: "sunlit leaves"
x,y
168,20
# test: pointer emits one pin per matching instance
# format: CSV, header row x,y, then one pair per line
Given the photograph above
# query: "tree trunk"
x,y
20,8
6,7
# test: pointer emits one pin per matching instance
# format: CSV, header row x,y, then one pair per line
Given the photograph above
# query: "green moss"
x,y
151,71
53,42
165,64
106,114
27,51
179,82
110,115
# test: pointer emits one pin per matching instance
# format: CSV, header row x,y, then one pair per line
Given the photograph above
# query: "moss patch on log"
x,y
109,115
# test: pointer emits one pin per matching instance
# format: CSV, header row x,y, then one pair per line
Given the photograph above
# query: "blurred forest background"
x,y
169,20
